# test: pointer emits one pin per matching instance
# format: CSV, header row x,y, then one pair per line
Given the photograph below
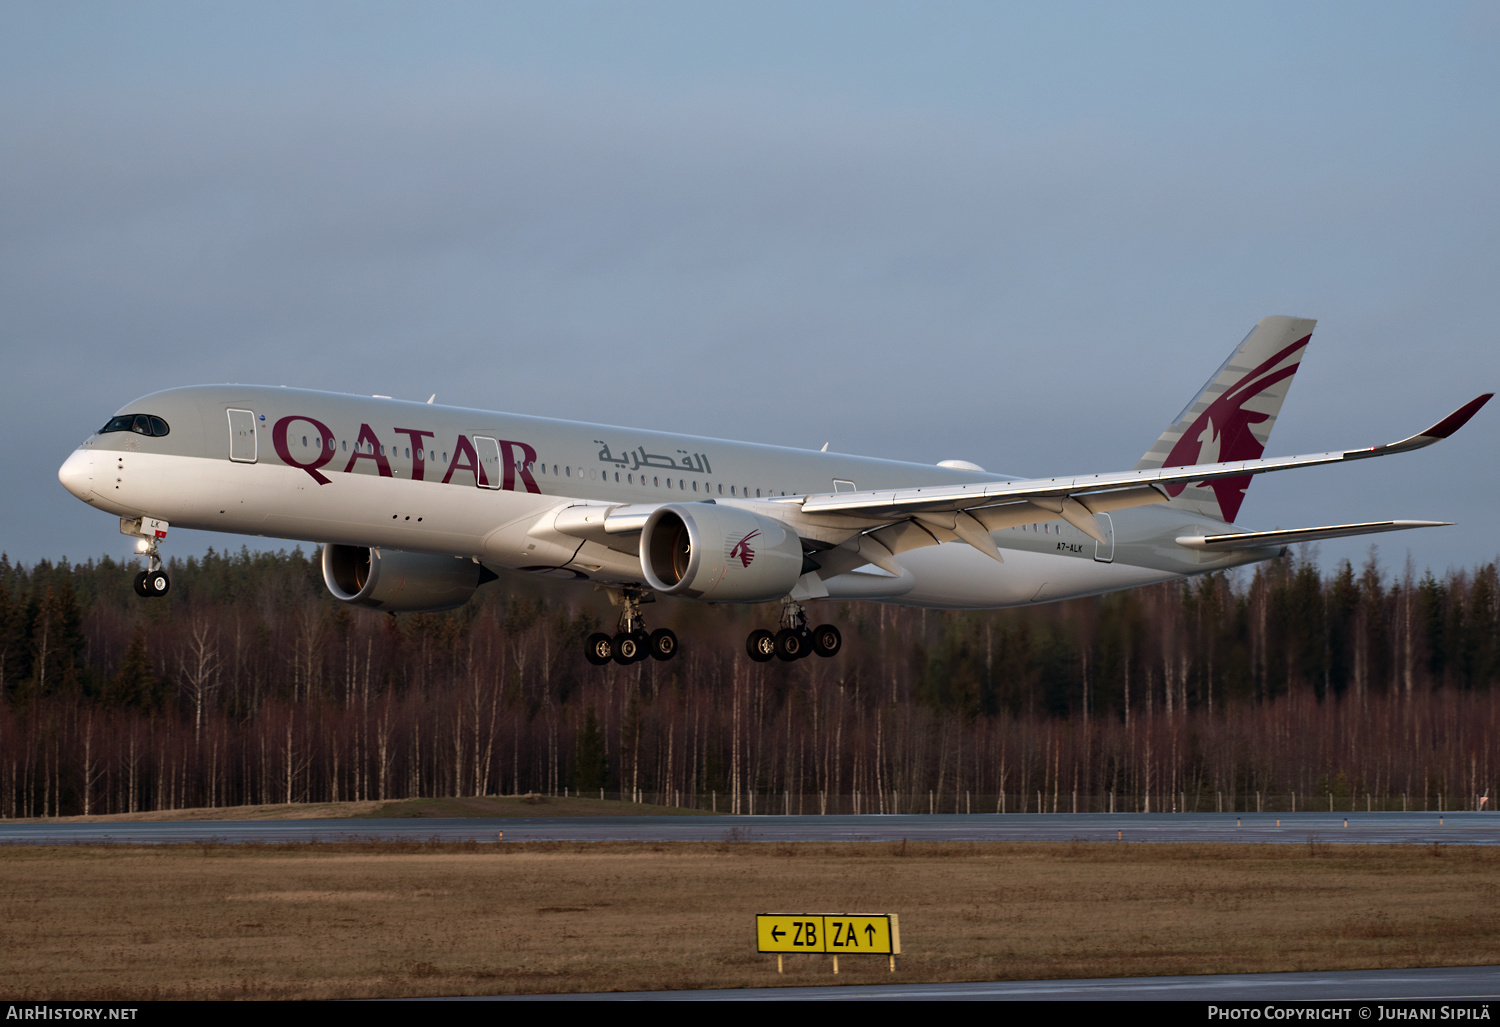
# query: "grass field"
x,y
399,809
389,919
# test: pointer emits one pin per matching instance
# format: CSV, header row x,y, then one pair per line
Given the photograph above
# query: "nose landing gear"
x,y
632,642
795,640
152,581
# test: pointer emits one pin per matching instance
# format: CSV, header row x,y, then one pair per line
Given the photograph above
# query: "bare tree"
x,y
198,666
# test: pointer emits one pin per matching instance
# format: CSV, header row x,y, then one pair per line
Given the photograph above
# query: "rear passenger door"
x,y
242,442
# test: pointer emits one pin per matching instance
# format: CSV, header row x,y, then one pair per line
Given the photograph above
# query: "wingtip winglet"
x,y
1456,420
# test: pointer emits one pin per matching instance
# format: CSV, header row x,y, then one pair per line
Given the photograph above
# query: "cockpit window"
x,y
141,424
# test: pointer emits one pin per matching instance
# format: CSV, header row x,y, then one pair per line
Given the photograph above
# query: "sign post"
x,y
864,934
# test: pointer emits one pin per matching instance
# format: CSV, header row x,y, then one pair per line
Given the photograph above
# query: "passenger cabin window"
x,y
141,424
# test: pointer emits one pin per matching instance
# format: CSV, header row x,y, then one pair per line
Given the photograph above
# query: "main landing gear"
x,y
632,642
794,640
152,581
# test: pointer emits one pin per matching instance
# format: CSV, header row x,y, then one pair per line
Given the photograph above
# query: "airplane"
x,y
416,505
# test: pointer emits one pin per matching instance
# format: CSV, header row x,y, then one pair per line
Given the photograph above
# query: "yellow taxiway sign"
x,y
838,933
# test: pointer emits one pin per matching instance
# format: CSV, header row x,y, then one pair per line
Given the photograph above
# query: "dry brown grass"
x,y
399,809
294,811
387,919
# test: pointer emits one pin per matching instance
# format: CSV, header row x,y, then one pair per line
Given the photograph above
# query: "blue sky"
x,y
1016,234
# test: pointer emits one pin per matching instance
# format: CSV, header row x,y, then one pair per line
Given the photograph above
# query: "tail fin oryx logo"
x,y
1222,432
1232,416
742,550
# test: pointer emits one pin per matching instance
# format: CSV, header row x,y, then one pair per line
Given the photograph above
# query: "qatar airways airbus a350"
x,y
417,505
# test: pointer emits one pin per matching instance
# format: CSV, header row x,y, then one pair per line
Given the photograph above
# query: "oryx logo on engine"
x,y
742,550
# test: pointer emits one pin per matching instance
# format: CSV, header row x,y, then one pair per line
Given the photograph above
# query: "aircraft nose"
x,y
77,473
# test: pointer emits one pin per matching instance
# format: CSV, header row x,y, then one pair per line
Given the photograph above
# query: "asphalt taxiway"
x,y
1363,990
1349,828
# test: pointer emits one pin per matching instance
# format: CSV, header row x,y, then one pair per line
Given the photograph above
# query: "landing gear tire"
x,y
826,640
791,644
599,649
761,645
152,583
630,646
662,645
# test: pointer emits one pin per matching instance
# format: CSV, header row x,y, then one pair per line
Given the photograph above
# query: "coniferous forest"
x,y
1281,687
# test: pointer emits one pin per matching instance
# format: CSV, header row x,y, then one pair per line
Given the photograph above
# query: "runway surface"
x,y
1299,828
1367,988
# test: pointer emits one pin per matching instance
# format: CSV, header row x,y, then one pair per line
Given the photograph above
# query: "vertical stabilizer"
x,y
1232,416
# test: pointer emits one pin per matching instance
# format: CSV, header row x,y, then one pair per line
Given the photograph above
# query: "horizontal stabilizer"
x,y
1291,536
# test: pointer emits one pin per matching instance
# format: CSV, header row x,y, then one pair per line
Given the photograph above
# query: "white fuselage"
x,y
420,478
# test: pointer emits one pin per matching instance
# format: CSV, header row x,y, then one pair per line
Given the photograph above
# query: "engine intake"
x,y
400,582
719,553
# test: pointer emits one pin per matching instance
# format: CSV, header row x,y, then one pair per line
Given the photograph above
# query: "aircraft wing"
x,y
853,528
873,527
1093,490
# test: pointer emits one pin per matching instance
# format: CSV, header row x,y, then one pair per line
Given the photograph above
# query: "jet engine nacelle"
x,y
719,553
400,582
